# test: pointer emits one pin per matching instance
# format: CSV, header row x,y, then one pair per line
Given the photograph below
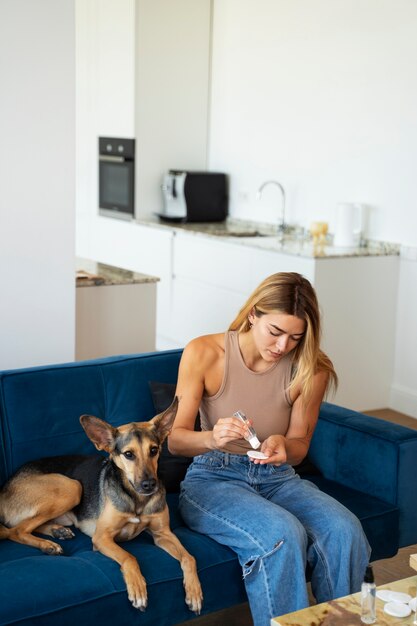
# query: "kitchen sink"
x,y
243,233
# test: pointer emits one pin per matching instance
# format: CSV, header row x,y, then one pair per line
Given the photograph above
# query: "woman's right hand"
x,y
227,429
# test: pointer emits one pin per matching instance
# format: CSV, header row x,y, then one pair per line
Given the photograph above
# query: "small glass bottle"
x,y
251,436
368,594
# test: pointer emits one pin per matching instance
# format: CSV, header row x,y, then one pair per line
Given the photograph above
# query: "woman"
x,y
268,365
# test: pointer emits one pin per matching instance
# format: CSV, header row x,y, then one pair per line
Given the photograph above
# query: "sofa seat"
x,y
57,597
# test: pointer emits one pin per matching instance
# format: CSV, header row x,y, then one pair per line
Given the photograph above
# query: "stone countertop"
x,y
92,274
261,236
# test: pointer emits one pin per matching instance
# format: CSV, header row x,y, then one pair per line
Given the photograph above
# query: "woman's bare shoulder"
x,y
205,349
206,346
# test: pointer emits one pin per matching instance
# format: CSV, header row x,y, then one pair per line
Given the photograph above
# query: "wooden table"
x,y
346,611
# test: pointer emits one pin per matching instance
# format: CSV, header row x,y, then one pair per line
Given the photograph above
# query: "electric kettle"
x,y
349,225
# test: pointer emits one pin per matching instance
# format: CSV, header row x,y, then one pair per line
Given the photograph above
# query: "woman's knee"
x,y
287,542
286,532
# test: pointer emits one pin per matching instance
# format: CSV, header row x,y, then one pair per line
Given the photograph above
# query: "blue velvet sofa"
x,y
364,462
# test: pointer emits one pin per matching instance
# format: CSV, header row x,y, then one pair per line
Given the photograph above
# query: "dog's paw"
x,y
49,547
194,596
62,532
138,595
136,589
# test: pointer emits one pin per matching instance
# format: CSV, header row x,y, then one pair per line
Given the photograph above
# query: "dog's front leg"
x,y
103,541
164,538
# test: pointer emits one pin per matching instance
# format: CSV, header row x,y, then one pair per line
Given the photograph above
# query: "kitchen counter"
x,y
117,314
259,235
92,274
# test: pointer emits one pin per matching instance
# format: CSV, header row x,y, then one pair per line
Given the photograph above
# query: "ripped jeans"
x,y
277,523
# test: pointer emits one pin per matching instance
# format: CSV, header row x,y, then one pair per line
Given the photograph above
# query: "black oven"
x,y
116,177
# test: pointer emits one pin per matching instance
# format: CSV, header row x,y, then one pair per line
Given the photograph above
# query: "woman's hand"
x,y
227,429
275,449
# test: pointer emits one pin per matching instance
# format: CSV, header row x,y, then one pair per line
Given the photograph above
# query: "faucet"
x,y
281,225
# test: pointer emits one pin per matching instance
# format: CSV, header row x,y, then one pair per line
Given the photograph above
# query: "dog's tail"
x,y
4,532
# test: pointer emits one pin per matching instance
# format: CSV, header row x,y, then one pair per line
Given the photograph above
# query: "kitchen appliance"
x,y
349,224
194,196
116,177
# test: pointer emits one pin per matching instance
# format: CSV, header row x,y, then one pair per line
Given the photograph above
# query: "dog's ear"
x,y
101,433
163,422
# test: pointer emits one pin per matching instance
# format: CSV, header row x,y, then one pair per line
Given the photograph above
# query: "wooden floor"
x,y
385,570
394,416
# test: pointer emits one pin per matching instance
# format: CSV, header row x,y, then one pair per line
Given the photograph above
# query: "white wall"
x,y
322,96
172,93
37,181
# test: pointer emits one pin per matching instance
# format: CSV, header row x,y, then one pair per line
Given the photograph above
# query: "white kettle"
x,y
349,225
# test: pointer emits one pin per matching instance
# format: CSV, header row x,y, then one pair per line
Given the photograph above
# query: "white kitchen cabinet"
x,y
357,297
119,319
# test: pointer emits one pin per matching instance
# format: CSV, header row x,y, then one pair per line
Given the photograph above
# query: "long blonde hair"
x,y
292,294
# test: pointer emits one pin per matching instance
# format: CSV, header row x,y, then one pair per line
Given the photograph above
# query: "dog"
x,y
111,499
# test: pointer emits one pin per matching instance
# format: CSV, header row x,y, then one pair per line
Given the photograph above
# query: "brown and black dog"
x,y
110,499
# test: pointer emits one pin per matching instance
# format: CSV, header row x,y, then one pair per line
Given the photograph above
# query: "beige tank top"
x,y
262,396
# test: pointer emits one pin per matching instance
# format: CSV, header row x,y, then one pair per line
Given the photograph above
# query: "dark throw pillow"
x,y
172,467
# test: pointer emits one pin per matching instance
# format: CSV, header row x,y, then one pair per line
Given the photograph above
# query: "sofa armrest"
x,y
370,455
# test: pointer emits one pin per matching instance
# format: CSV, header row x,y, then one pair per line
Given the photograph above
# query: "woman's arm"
x,y
293,447
201,362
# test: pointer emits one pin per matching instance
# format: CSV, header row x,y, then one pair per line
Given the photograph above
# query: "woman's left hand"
x,y
274,448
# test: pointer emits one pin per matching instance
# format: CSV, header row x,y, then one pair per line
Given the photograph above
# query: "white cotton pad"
x,y
397,596
397,610
412,604
254,454
384,594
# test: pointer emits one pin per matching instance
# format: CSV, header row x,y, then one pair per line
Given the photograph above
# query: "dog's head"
x,y
133,447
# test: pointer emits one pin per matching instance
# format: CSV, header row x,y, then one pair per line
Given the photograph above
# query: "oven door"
x,y
116,186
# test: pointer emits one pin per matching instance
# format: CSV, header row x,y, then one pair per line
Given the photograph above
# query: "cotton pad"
x,y
397,596
384,594
255,454
393,596
397,610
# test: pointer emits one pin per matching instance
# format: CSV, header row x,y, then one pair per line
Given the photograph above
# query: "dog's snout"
x,y
148,484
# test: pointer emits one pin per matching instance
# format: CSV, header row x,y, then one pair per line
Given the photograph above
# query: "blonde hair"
x,y
292,294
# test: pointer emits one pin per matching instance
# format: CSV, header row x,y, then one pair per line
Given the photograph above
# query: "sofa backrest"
x,y
40,407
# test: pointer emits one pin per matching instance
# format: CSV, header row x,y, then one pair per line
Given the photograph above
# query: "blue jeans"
x,y
277,523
